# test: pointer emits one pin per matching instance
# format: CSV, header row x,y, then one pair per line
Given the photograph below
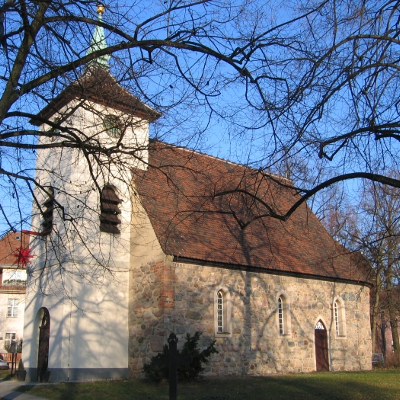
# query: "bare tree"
x,y
317,80
327,94
372,228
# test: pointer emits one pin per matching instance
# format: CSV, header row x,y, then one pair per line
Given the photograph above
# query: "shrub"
x,y
190,360
392,360
20,365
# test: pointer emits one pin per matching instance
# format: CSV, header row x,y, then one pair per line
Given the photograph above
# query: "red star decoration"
x,y
23,256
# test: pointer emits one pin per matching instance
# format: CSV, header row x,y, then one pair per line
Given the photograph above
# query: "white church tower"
x,y
76,315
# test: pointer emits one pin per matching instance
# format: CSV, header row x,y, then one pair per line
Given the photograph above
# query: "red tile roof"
x,y
99,86
177,192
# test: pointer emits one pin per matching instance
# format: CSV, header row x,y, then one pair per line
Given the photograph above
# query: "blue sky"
x,y
226,117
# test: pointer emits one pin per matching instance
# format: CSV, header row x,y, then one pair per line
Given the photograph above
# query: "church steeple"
x,y
96,84
98,42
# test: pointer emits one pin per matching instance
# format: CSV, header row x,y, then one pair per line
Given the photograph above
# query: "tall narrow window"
x,y
109,220
284,322
280,316
336,315
12,308
339,318
48,206
220,312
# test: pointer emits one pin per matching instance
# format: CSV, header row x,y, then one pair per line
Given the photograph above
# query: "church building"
x,y
164,239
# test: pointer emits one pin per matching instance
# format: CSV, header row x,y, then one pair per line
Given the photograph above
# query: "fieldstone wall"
x,y
170,297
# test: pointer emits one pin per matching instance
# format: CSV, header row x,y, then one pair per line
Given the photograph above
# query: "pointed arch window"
x,y
284,322
48,211
109,201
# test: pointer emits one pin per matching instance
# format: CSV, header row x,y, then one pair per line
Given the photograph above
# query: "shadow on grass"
x,y
384,385
5,375
332,389
102,390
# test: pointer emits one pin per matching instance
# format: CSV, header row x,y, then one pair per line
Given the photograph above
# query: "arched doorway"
x,y
321,347
43,351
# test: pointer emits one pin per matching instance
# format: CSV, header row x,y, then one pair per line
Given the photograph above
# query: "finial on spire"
x,y
100,8
99,41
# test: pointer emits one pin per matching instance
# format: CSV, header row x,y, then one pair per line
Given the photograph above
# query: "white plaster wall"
x,y
80,274
88,329
144,245
55,305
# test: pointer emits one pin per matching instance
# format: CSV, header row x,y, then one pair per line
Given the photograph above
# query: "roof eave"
x,y
180,259
64,98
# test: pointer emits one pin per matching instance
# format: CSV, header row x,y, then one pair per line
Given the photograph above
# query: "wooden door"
x,y
321,347
44,335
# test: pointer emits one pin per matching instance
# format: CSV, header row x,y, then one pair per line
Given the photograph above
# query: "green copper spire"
x,y
99,42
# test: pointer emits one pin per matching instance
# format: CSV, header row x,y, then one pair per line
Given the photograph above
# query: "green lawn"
x,y
378,384
5,374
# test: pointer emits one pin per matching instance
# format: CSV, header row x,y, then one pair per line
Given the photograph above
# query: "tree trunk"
x,y
393,321
375,311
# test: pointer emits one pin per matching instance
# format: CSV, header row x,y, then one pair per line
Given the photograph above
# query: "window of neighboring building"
x,y
12,308
284,322
109,201
14,277
339,317
222,312
10,337
48,208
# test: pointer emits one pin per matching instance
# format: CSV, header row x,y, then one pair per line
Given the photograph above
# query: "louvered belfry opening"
x,y
109,220
48,208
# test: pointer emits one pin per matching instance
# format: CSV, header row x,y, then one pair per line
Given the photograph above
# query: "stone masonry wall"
x,y
170,297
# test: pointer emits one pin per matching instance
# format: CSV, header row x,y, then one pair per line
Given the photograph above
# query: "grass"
x,y
379,384
5,374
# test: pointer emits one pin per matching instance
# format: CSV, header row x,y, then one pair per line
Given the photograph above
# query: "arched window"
x,y
109,220
339,318
222,312
48,208
280,316
284,322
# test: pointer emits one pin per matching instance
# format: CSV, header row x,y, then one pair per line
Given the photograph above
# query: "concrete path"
x,y
7,391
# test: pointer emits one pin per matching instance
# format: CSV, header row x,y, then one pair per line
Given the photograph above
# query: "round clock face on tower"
x,y
112,126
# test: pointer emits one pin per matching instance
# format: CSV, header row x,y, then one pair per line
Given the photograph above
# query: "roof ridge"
x,y
222,159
